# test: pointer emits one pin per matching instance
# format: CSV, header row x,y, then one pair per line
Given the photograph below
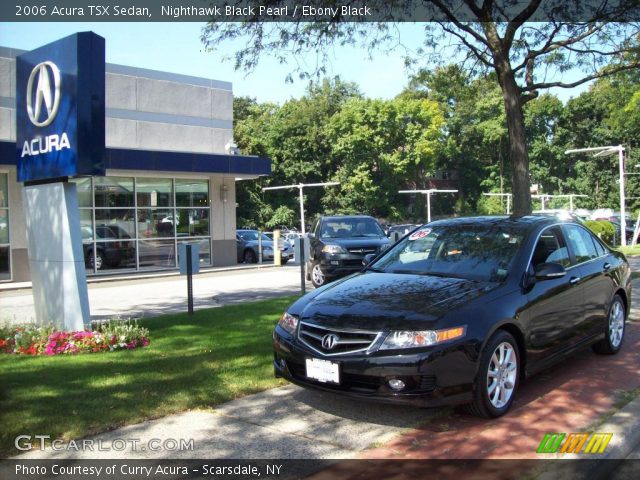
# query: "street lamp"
x,y
611,150
428,194
300,187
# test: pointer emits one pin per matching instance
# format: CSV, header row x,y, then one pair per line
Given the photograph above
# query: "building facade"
x,y
169,177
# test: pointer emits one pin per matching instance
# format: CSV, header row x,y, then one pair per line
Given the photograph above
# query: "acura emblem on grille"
x,y
329,341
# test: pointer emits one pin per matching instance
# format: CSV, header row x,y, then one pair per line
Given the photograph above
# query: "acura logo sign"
x,y
46,78
329,341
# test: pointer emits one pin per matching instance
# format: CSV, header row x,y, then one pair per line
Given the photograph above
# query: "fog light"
x,y
396,384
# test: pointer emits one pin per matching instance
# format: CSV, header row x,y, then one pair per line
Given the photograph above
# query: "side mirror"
x,y
311,235
547,271
368,258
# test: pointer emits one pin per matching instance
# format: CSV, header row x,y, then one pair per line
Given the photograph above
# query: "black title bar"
x,y
311,10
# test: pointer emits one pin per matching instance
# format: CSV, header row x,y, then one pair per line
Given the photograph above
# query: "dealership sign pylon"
x,y
60,134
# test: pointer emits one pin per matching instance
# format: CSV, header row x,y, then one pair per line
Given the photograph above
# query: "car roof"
x,y
339,217
526,221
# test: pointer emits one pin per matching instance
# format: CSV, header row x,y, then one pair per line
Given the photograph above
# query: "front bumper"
x,y
434,377
340,264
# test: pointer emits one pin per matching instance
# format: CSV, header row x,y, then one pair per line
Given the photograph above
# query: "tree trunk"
x,y
517,142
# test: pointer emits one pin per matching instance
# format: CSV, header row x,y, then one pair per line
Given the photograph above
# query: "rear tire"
x,y
249,256
614,329
498,377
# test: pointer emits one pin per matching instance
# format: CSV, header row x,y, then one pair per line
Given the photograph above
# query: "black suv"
x,y
339,244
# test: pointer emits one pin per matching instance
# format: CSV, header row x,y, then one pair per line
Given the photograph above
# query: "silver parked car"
x,y
247,247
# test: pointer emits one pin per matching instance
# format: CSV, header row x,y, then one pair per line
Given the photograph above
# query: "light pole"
x,y
428,194
300,187
611,150
508,195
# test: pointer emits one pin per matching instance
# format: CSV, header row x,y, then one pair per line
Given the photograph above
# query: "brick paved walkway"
x,y
566,398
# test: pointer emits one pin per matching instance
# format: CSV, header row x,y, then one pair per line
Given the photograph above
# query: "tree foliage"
x,y
527,45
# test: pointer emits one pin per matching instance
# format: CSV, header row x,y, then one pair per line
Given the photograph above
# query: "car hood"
x,y
357,242
380,301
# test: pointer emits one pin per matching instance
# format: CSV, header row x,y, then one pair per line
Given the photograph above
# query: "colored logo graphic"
x,y
588,442
46,77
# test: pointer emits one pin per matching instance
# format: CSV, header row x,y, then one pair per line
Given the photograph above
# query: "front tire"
x,y
318,278
498,377
614,329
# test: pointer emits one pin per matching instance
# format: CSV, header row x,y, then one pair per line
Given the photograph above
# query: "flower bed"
x,y
45,340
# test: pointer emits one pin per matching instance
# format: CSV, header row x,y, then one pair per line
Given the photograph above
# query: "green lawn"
x,y
628,250
193,362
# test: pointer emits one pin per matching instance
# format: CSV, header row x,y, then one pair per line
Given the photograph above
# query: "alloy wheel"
x,y
317,277
616,324
501,375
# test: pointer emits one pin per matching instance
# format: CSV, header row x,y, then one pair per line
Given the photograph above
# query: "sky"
x,y
176,47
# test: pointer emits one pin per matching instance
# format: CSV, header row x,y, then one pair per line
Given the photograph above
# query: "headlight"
x,y
288,322
333,249
421,338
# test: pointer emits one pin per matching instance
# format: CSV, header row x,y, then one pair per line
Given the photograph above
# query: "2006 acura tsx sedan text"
x,y
458,311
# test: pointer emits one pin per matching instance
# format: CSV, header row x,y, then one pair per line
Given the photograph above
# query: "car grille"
x,y
345,341
362,251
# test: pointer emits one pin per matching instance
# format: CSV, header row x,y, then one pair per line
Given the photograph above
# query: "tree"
x,y
490,35
379,147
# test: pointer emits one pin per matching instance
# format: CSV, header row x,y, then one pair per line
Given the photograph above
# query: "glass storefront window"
x,y
154,192
5,251
4,190
120,223
5,270
109,255
4,225
156,253
192,222
83,186
204,246
192,193
153,223
134,223
113,192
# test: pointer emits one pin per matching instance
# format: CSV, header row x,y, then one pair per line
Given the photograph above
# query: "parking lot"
x,y
148,297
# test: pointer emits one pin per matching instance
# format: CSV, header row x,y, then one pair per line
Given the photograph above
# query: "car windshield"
x,y
252,235
350,227
476,252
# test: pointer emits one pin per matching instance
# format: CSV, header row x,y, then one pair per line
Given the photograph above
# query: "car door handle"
x,y
606,266
574,280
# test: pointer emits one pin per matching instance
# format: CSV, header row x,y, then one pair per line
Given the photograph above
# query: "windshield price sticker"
x,y
420,234
323,370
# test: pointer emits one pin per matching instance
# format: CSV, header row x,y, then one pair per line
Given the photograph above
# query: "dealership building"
x,y
170,176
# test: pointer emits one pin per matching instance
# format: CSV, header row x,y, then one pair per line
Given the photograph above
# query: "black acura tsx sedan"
x,y
458,312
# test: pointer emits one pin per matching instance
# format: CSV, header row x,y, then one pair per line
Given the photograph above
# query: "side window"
x,y
581,243
551,248
600,250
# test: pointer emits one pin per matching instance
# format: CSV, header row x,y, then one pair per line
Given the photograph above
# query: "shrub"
x,y
603,229
44,340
